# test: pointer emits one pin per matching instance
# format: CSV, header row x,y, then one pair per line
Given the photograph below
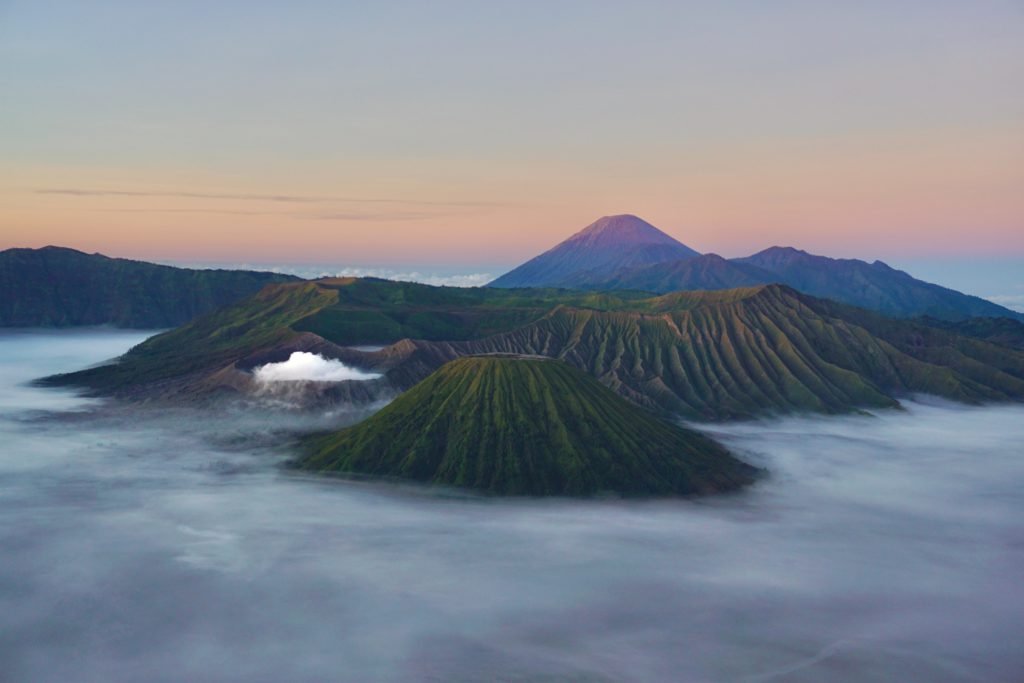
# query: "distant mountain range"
x,y
60,287
668,266
712,355
518,426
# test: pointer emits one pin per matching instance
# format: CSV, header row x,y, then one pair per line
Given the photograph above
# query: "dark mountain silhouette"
x,y
59,287
875,285
626,253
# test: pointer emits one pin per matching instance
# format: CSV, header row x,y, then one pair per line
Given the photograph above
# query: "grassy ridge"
x,y
371,311
769,349
212,341
715,355
513,426
344,311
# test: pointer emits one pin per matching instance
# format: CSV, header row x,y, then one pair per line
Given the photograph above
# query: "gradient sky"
x,y
473,133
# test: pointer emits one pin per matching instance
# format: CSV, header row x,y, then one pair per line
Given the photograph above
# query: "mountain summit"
x,y
622,230
600,249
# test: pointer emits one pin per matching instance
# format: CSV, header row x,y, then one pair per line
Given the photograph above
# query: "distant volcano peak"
x,y
609,243
623,229
625,225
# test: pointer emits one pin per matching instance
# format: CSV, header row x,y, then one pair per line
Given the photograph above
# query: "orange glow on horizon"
x,y
926,195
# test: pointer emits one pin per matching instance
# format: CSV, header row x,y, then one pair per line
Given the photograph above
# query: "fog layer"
x,y
146,546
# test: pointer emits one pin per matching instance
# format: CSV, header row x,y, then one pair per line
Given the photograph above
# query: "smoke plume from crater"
x,y
310,367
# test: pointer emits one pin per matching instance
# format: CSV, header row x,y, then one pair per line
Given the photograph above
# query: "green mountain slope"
x,y
514,426
57,287
208,343
709,355
749,352
321,315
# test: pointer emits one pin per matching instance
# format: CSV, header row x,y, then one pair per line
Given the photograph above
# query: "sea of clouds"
x,y
170,545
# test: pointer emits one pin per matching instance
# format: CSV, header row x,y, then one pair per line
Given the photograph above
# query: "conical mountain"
x,y
605,246
518,426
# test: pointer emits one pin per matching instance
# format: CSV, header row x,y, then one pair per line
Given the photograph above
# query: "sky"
x,y
471,135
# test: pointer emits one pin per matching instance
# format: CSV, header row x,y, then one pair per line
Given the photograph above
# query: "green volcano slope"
x,y
321,316
514,426
208,343
707,355
762,350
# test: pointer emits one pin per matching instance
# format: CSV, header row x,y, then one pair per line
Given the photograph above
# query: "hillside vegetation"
x,y
747,352
710,355
341,311
513,426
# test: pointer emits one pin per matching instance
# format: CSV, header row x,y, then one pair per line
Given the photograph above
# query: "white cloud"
x,y
310,367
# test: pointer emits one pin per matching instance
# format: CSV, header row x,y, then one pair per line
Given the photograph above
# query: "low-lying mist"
x,y
170,546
